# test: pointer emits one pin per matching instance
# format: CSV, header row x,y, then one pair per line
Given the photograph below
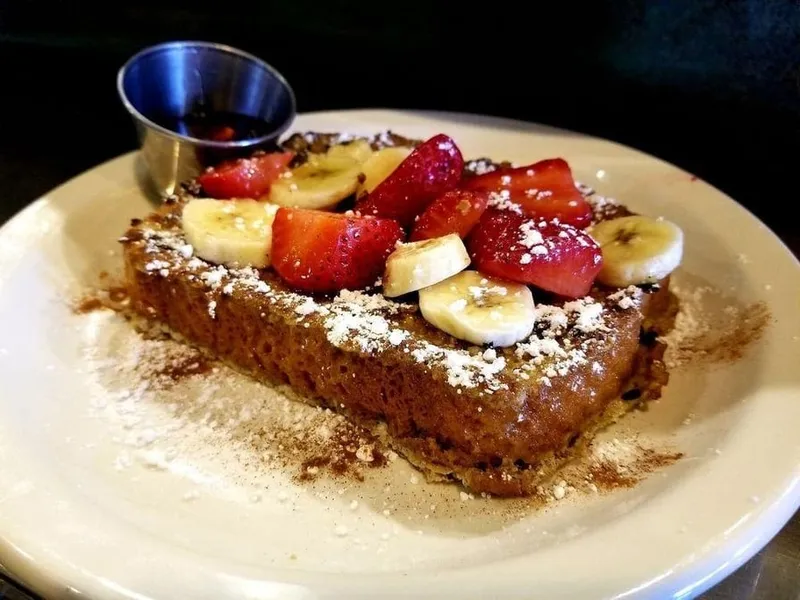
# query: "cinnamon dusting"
x,y
608,475
730,344
87,305
182,367
273,427
112,297
348,452
711,330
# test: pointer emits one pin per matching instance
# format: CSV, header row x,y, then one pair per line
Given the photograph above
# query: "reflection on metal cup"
x,y
162,85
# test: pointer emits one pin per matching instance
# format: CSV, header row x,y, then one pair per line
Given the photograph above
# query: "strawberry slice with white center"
x,y
552,256
456,211
544,190
433,168
321,252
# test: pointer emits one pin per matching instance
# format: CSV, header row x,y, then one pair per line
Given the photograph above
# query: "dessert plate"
x,y
118,482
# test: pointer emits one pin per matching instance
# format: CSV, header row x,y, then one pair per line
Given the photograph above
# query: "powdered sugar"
x,y
462,368
156,265
588,314
213,276
530,236
584,189
339,138
356,318
397,336
306,308
628,297
711,327
480,166
366,331
621,454
602,206
502,201
551,350
166,404
538,194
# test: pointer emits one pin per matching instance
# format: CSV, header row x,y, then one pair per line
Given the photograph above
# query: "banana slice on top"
x,y
637,250
358,150
479,309
380,165
320,183
415,265
235,233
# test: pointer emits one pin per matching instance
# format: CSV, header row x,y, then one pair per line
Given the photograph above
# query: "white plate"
x,y
70,520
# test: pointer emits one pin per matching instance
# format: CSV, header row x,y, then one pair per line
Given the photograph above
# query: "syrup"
x,y
218,126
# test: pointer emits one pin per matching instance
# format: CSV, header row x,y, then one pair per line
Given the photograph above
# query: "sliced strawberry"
x,y
545,190
555,257
244,177
318,251
456,211
433,168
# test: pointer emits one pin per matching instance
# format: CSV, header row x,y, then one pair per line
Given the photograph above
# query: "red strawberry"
x,y
456,211
545,190
244,177
318,251
434,167
555,257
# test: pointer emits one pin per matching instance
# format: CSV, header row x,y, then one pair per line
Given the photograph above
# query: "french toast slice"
x,y
498,420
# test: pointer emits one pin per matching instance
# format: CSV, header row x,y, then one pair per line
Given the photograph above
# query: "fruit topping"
x,y
416,265
244,177
555,257
479,309
322,252
456,211
433,168
321,182
544,190
637,250
380,165
235,233
358,150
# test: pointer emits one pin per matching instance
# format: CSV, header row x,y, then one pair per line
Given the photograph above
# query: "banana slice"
x,y
479,309
637,250
235,233
380,165
358,150
416,265
320,183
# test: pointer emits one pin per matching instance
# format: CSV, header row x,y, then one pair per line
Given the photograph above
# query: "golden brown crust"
x,y
498,431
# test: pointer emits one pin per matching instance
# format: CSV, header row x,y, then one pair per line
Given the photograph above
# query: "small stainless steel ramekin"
x,y
172,79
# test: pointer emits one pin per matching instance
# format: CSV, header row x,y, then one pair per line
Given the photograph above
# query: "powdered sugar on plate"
x,y
712,328
165,401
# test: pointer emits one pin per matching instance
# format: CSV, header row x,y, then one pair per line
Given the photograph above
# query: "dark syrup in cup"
x,y
216,126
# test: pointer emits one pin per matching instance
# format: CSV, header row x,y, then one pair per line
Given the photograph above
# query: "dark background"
x,y
711,86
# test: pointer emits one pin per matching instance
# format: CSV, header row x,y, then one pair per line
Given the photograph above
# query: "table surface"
x,y
29,170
